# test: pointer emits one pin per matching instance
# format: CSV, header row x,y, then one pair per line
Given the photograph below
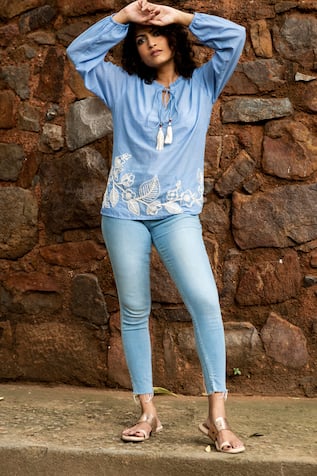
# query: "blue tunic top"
x,y
146,183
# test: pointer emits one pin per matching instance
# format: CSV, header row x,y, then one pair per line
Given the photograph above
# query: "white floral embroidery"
x,y
148,196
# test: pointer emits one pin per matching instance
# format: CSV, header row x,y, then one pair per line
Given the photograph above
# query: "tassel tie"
x,y
168,139
162,140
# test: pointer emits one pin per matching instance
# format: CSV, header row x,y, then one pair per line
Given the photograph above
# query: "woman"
x,y
161,106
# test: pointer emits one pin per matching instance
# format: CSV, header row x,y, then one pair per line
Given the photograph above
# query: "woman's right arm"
x,y
87,53
90,48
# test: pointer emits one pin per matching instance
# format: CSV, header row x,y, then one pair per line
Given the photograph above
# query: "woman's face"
x,y
153,47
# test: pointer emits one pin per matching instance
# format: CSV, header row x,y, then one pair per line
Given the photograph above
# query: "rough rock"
x,y
296,40
87,299
289,150
8,33
310,280
7,109
79,7
179,367
215,217
162,286
43,38
285,6
230,277
252,77
9,365
304,77
12,8
18,222
37,18
54,351
243,345
76,84
171,314
87,121
29,118
306,97
68,33
32,281
232,179
17,78
212,155
261,39
313,259
270,282
280,217
253,110
51,81
72,190
52,138
72,255
11,161
39,303
284,342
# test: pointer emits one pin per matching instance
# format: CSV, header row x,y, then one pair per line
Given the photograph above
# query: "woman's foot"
x,y
143,429
146,425
217,428
221,435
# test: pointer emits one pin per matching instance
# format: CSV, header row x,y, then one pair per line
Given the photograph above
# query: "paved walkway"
x,y
70,431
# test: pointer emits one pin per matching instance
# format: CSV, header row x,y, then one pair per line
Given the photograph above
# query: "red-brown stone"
x,y
284,342
73,255
34,281
7,109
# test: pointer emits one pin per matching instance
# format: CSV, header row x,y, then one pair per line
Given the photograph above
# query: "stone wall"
x,y
59,319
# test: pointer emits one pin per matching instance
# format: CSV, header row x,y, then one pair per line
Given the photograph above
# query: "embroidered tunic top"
x,y
146,183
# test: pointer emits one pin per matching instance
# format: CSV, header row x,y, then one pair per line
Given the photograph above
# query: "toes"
x,y
232,440
137,430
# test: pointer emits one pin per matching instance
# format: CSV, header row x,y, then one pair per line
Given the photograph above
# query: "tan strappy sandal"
x,y
145,435
213,431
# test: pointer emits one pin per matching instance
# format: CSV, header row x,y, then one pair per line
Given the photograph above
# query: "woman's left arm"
x,y
227,40
225,37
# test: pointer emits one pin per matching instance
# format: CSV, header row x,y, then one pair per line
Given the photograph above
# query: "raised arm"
x,y
227,39
87,52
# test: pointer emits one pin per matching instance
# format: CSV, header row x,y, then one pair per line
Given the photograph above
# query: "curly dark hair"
x,y
179,43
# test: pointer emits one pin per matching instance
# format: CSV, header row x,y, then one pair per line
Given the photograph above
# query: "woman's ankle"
x,y
216,402
147,404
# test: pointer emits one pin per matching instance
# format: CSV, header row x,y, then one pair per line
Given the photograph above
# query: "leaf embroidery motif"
x,y
114,197
134,207
149,190
173,208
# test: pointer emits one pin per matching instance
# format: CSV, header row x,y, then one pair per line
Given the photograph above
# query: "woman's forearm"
x,y
184,18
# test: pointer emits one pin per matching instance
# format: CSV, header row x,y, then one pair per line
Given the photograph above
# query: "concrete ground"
x,y
66,431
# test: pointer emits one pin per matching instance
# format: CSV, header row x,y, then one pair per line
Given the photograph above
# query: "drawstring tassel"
x,y
169,133
160,139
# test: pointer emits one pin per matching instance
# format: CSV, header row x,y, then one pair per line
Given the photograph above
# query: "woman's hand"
x,y
165,15
141,12
146,13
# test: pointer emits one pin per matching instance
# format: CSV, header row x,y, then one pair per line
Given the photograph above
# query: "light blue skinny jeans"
x,y
178,240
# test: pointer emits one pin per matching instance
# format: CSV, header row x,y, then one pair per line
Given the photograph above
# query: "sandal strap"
x,y
145,433
150,420
221,424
